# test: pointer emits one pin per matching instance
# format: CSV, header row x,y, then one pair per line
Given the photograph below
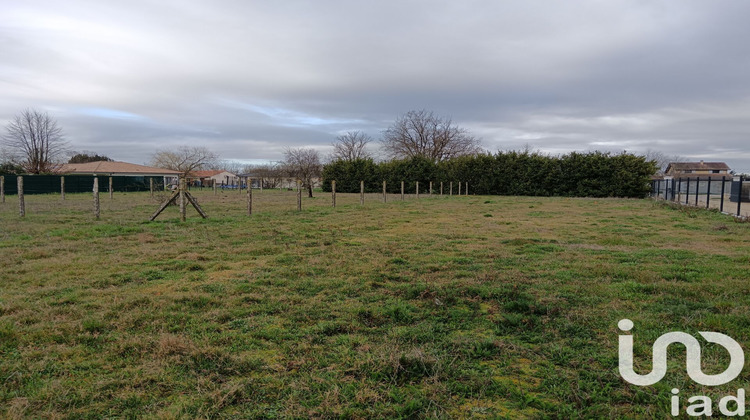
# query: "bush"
x,y
594,174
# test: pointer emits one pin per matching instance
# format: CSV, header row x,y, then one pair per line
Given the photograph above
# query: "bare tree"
x,y
271,174
662,159
351,146
36,139
303,164
422,133
184,159
230,166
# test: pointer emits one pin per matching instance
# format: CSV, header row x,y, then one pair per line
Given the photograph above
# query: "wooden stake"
x,y
402,190
299,195
333,193
249,198
361,193
151,186
417,190
384,193
111,192
2,189
62,188
430,187
21,203
466,187
441,188
181,190
459,188
214,182
451,187
97,208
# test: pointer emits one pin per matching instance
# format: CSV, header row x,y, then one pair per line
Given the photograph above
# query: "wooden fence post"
x,y
299,195
151,186
249,197
466,188
2,189
459,188
384,193
97,208
214,182
451,188
402,190
62,188
111,192
430,187
183,185
21,203
361,193
333,193
441,188
417,190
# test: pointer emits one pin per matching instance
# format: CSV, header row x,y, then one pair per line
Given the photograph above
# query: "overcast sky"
x,y
249,78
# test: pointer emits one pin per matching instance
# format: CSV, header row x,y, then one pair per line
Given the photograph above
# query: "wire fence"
x,y
122,202
729,195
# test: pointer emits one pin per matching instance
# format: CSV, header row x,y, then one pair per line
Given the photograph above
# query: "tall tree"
x,y
424,134
303,164
36,139
351,146
184,159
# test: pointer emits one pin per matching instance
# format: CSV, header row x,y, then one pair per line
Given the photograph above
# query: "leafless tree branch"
x,y
37,139
422,133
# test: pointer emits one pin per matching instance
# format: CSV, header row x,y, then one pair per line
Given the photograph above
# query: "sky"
x,y
249,78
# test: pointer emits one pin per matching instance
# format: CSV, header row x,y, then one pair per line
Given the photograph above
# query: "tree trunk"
x,y
309,190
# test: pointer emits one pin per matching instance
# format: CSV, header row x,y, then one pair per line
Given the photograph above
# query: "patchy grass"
x,y
489,307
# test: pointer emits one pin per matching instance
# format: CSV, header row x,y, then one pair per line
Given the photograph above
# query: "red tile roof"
x,y
114,168
205,174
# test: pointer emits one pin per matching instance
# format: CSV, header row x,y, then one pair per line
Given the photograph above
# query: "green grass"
x,y
494,307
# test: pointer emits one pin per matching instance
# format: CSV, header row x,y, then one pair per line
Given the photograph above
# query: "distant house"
x,y
209,178
113,168
697,169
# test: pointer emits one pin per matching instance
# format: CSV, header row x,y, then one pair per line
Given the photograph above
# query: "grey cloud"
x,y
250,78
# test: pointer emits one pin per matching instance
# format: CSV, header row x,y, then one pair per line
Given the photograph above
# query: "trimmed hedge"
x,y
594,174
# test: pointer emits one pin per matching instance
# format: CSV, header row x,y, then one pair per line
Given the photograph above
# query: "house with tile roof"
x,y
697,169
114,168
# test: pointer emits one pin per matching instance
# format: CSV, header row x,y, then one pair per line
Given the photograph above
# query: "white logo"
x,y
693,359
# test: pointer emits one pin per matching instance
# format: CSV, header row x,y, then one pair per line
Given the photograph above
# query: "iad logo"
x,y
693,362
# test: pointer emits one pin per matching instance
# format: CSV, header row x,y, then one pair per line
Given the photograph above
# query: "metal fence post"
x,y
687,192
723,186
697,189
708,193
739,196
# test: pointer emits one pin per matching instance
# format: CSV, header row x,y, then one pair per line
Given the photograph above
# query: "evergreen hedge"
x,y
593,174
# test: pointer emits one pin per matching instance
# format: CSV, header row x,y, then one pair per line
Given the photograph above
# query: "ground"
x,y
443,307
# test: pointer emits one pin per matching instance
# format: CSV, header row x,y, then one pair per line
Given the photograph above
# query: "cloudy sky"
x,y
249,78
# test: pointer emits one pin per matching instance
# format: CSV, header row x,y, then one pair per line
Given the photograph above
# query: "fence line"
x,y
697,191
150,186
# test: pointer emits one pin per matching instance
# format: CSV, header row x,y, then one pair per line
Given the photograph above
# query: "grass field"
x,y
487,307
